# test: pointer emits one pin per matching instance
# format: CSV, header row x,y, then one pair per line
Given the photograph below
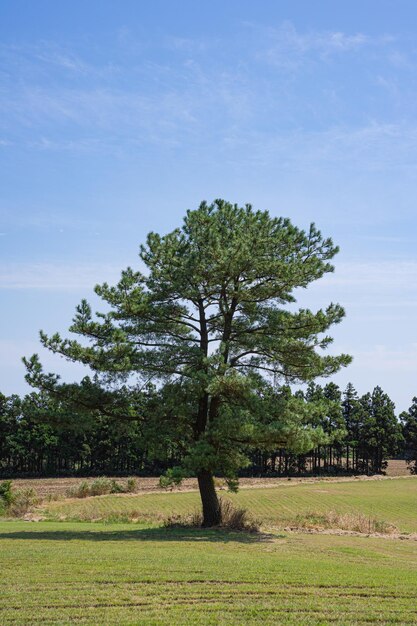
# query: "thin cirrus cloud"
x,y
166,105
287,48
372,147
56,276
12,370
176,120
35,60
383,358
131,117
116,122
199,80
381,290
396,274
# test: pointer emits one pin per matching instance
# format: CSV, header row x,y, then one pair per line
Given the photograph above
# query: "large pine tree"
x,y
209,321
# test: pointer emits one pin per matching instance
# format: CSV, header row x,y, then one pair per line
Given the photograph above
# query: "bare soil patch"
x,y
397,468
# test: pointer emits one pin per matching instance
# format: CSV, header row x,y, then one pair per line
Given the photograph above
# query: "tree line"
x,y
361,434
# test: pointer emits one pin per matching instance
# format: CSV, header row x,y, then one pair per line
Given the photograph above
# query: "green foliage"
x,y
232,485
104,445
40,434
6,495
353,414
101,486
380,431
409,420
172,477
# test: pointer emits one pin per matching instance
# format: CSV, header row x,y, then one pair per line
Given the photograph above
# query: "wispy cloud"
x,y
392,367
38,59
41,219
380,290
12,370
389,238
190,99
288,48
395,275
115,122
374,147
191,45
56,277
201,104
384,358
53,55
101,116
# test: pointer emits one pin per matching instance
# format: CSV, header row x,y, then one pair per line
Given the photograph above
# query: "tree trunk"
x,y
209,499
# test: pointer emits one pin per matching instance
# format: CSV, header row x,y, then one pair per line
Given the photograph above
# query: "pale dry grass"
x,y
333,520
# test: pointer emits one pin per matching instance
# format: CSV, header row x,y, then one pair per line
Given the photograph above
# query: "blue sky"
x,y
116,117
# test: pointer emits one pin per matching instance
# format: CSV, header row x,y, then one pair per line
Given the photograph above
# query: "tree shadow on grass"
x,y
140,534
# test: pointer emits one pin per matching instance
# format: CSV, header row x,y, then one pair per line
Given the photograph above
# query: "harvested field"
x,y
46,487
397,468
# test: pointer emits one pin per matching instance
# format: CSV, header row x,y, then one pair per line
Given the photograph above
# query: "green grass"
x,y
393,501
69,572
66,573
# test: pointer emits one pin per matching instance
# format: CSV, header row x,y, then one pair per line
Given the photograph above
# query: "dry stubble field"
x,y
59,486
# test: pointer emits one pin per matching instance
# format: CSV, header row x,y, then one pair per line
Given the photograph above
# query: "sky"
x,y
118,116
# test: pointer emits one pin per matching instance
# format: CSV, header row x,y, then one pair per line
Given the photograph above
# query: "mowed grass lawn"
x,y
389,500
78,572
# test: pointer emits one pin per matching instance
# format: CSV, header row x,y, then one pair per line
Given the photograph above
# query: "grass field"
x,y
391,500
66,572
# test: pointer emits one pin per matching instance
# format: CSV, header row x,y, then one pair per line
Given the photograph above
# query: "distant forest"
x,y
362,434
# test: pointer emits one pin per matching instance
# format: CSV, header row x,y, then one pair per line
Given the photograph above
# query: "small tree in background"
x,y
409,420
353,416
208,323
331,420
381,435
